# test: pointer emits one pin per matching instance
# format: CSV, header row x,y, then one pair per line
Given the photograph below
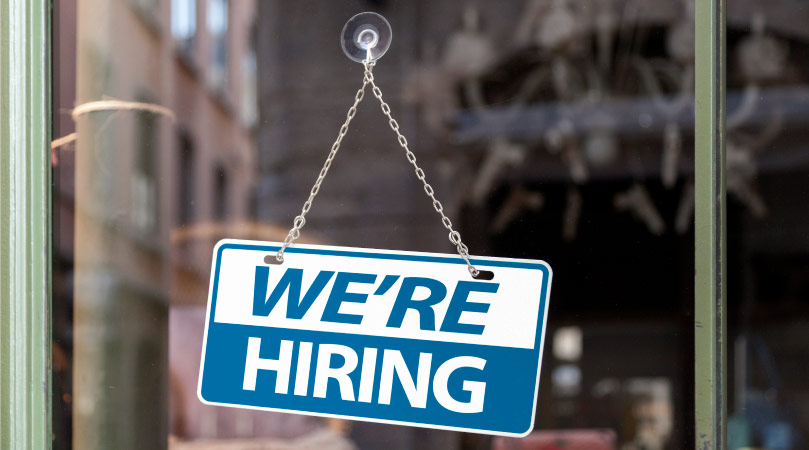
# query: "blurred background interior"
x,y
559,130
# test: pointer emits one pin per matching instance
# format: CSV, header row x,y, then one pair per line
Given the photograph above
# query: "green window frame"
x,y
25,221
710,330
25,261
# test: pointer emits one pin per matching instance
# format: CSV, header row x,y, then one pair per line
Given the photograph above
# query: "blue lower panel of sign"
x,y
375,378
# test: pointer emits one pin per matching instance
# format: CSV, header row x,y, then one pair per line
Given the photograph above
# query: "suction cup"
x,y
366,36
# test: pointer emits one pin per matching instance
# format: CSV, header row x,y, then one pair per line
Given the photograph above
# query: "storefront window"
x,y
559,130
768,250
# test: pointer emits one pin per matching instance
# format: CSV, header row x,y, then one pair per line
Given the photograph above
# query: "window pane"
x,y
184,23
558,130
217,15
768,247
186,177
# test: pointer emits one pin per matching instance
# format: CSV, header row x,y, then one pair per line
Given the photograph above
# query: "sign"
x,y
376,335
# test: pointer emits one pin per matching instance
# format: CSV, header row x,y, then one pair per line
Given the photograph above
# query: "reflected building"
x,y
140,197
553,129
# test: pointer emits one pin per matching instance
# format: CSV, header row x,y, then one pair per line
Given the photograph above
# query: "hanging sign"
x,y
376,335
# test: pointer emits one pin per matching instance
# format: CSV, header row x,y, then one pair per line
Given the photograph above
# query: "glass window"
x,y
184,23
186,180
249,81
559,130
767,244
220,194
217,21
144,177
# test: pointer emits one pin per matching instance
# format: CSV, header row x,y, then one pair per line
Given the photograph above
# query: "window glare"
x,y
183,18
217,14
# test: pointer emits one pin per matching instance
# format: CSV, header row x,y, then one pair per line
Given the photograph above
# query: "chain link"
x,y
300,221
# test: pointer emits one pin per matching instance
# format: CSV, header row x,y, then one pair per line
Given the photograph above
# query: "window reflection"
x,y
539,123
217,21
145,176
552,129
557,130
184,23
220,193
186,180
768,268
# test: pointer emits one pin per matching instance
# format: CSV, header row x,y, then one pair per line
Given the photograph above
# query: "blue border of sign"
x,y
539,339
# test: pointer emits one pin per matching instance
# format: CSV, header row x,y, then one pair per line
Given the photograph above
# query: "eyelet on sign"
x,y
484,275
271,259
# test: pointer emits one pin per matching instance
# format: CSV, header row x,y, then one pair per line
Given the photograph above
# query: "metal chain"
x,y
454,236
300,221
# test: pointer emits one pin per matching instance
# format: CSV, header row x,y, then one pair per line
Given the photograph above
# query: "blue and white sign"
x,y
376,335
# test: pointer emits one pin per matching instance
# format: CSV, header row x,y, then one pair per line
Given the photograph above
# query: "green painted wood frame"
x,y
25,225
710,335
25,262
